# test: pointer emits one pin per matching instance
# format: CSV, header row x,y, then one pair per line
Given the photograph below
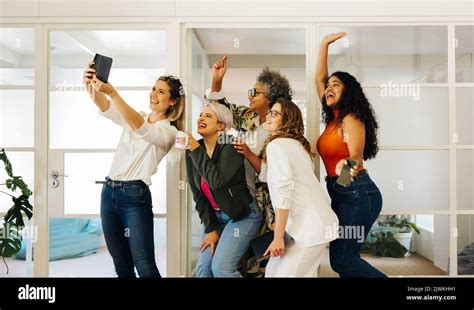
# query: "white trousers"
x,y
296,262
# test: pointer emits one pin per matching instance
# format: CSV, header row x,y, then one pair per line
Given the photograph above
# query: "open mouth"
x,y
153,101
330,95
202,126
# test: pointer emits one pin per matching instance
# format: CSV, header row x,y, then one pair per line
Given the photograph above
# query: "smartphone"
x,y
102,65
345,178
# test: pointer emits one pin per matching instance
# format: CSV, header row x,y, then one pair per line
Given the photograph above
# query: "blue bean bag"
x,y
70,237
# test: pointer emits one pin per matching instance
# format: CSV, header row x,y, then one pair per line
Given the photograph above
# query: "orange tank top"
x,y
331,147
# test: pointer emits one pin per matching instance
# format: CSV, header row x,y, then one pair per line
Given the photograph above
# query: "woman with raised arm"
x,y
268,87
351,133
126,206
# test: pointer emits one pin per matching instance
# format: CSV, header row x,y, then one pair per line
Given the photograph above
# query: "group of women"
x,y
263,180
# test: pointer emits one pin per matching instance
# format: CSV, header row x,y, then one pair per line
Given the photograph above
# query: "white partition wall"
x,y
414,61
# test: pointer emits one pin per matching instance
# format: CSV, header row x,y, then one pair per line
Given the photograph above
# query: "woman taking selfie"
x,y
126,206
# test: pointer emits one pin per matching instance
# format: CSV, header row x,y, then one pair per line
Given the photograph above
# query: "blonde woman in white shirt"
x,y
126,206
301,206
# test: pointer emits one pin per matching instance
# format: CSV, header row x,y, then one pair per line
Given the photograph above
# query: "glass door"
x,y
82,143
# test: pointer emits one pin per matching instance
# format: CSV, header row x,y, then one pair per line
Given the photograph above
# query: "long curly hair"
x,y
276,85
354,102
292,127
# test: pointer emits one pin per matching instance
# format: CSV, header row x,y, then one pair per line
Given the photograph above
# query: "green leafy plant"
x,y
10,230
382,241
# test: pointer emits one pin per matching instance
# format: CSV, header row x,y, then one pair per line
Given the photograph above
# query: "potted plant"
x,y
391,236
11,229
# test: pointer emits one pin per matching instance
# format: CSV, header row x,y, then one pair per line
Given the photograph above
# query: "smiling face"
x,y
260,101
334,90
274,119
160,99
208,124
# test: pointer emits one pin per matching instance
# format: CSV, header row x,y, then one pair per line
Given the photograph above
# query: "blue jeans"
x,y
234,241
357,207
127,221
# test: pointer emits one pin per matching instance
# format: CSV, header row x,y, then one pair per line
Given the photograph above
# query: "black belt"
x,y
111,183
334,178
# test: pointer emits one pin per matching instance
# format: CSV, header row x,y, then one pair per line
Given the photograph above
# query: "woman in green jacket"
x,y
216,174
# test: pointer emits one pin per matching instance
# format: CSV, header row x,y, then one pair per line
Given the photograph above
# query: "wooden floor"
x,y
414,265
100,265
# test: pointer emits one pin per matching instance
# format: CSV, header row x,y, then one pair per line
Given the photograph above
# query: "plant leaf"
x,y
8,165
10,240
19,183
21,205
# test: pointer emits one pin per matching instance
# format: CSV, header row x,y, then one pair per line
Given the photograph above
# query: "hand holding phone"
x,y
345,178
102,65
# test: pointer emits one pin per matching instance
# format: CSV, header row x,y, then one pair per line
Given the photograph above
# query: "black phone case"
x,y
260,244
345,178
102,65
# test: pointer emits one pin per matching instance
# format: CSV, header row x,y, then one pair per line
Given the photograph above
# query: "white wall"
x,y
301,8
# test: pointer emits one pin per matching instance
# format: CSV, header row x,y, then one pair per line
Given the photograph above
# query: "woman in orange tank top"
x,y
351,132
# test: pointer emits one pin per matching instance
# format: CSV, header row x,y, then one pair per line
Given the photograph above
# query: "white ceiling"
x,y
253,41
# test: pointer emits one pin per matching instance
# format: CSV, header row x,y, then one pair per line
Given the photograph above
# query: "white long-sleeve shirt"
x,y
139,152
289,172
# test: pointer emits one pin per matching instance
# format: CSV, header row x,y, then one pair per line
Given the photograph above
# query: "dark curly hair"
x,y
292,127
354,102
276,85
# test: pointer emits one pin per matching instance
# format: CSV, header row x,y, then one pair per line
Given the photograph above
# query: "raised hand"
x,y
333,37
218,71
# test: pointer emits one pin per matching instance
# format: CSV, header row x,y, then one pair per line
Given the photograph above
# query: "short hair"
x,y
223,114
276,85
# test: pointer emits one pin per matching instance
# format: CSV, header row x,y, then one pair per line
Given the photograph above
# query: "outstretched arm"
x,y
322,65
131,117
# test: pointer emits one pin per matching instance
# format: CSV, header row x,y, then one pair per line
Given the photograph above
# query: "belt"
x,y
111,183
334,178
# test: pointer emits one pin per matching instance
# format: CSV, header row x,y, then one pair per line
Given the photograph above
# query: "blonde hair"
x,y
175,113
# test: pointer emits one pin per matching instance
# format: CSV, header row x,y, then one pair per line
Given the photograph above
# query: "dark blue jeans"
x,y
127,221
357,207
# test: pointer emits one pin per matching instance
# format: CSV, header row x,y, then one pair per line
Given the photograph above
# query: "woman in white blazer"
x,y
301,206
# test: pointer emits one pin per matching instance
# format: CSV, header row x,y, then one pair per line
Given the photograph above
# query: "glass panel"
x,y
138,60
17,118
464,54
17,55
403,175
465,179
90,257
138,56
407,54
22,165
70,111
465,115
17,63
83,169
404,121
248,52
465,244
